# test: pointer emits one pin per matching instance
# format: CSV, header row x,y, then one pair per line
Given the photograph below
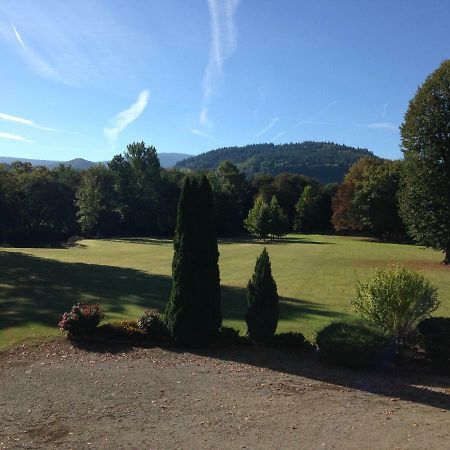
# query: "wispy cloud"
x,y
19,38
222,45
14,137
76,43
316,115
124,118
268,127
36,61
383,115
383,126
310,122
23,121
202,134
279,135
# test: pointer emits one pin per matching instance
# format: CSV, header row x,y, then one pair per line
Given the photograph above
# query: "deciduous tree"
x,y
425,193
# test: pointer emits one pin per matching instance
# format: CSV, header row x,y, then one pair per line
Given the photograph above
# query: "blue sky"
x,y
83,78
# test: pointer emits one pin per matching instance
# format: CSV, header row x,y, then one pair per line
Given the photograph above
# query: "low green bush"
x,y
435,333
124,330
395,300
290,340
152,324
230,336
352,345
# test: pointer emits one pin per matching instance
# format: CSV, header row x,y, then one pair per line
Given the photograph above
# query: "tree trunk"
x,y
447,257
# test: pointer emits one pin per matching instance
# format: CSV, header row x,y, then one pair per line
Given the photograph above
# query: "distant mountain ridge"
x,y
326,161
167,160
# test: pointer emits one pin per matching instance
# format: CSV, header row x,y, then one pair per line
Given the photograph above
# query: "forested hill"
x,y
166,159
326,161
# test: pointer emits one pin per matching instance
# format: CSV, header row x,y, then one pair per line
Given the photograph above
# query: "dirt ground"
x,y
54,395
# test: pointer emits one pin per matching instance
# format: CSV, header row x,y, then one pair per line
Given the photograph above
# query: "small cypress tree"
x,y
262,299
193,314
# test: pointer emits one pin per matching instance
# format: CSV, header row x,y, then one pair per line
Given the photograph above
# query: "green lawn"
x,y
315,276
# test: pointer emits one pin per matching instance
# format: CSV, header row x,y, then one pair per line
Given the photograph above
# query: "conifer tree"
x,y
262,299
193,314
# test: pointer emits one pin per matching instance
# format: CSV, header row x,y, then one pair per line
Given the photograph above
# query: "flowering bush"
x,y
81,319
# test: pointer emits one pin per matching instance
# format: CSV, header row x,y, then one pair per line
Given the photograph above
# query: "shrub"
x,y
152,325
262,298
124,330
352,345
81,320
290,340
395,300
230,336
435,333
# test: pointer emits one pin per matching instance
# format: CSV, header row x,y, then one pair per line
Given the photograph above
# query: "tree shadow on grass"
x,y
37,290
234,305
223,241
286,240
144,240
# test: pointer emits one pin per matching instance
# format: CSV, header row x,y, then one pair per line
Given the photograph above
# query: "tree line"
x,y
133,196
130,196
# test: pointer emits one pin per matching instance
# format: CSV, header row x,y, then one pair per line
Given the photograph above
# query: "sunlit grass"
x,y
315,276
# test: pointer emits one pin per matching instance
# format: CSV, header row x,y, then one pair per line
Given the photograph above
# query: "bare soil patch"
x,y
54,395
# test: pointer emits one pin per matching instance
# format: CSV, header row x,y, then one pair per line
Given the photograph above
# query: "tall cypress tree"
x,y
193,314
262,298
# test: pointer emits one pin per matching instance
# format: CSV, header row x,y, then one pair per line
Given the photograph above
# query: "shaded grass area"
x,y
315,277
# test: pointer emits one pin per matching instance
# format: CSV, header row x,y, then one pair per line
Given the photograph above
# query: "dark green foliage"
x,y
278,219
286,187
375,200
230,336
435,333
193,314
425,192
233,198
137,177
122,331
313,209
262,300
352,345
97,203
153,325
38,205
326,161
290,340
306,211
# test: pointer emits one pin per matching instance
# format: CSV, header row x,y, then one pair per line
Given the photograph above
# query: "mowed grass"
x,y
315,276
